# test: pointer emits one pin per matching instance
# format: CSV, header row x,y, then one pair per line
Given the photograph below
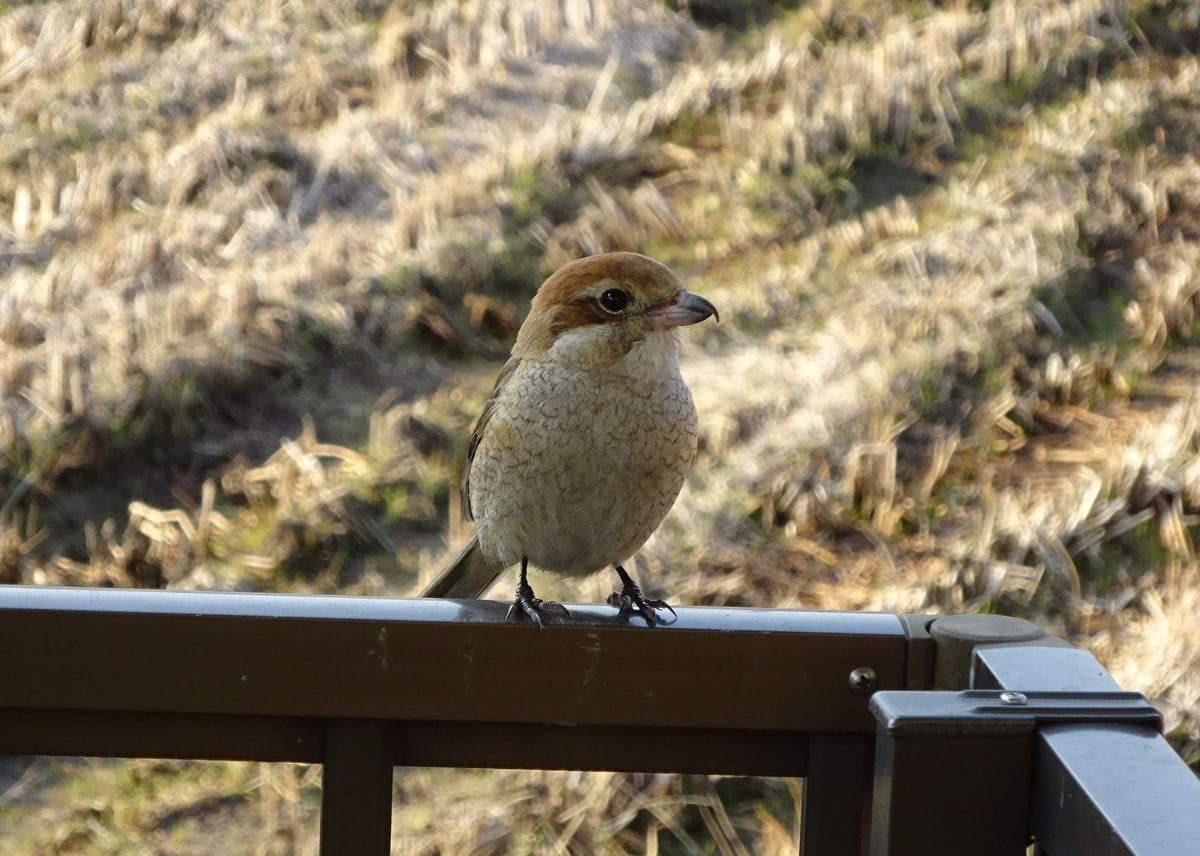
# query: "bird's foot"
x,y
630,600
525,603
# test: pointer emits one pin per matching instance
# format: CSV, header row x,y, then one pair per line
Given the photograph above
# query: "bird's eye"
x,y
614,300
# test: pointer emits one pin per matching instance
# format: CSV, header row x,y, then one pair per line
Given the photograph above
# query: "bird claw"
x,y
630,600
525,603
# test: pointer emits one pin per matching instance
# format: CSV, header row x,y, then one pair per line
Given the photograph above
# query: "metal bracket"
x,y
966,758
1005,711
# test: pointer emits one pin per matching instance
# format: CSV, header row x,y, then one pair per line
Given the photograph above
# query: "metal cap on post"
x,y
957,637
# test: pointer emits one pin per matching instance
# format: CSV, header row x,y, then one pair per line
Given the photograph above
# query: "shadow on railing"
x,y
843,699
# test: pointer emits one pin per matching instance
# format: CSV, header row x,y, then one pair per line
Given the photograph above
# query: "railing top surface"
x,y
403,659
425,611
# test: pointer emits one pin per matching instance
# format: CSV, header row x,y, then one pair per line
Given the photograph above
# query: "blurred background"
x,y
260,263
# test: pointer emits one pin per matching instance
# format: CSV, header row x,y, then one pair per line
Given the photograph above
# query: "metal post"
x,y
356,791
954,768
940,792
837,795
944,791
1105,789
1043,747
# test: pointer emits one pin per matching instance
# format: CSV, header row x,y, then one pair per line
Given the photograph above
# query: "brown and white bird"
x,y
586,439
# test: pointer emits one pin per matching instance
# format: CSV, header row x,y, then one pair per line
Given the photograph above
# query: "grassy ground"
x,y
255,288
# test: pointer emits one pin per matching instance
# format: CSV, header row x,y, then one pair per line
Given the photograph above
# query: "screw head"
x,y
1012,698
862,680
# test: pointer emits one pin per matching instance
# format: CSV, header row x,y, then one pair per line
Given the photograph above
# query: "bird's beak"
x,y
685,309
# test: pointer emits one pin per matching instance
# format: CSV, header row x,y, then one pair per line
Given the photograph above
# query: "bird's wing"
x,y
477,433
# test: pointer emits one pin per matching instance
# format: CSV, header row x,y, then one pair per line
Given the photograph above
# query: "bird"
x,y
586,439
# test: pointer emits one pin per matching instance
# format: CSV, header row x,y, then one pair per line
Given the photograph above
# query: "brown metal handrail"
x,y
362,684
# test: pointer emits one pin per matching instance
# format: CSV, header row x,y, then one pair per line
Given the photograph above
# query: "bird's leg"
x,y
630,600
525,603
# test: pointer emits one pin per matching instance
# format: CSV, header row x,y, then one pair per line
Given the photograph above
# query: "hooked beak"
x,y
685,309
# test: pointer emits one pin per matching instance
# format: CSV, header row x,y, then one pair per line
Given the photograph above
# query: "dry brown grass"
x,y
254,290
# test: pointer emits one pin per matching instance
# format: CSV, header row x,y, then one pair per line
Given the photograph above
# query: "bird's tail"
x,y
467,575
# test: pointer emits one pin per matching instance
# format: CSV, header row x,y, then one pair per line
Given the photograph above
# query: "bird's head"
x,y
612,301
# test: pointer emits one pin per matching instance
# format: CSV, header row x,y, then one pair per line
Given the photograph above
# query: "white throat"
x,y
654,356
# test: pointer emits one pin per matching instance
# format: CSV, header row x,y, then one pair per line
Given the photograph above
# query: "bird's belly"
x,y
578,480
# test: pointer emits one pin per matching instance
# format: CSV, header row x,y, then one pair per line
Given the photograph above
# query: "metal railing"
x,y
850,701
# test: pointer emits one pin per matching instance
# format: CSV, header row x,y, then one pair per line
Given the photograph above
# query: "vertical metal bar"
x,y
837,795
356,790
947,795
